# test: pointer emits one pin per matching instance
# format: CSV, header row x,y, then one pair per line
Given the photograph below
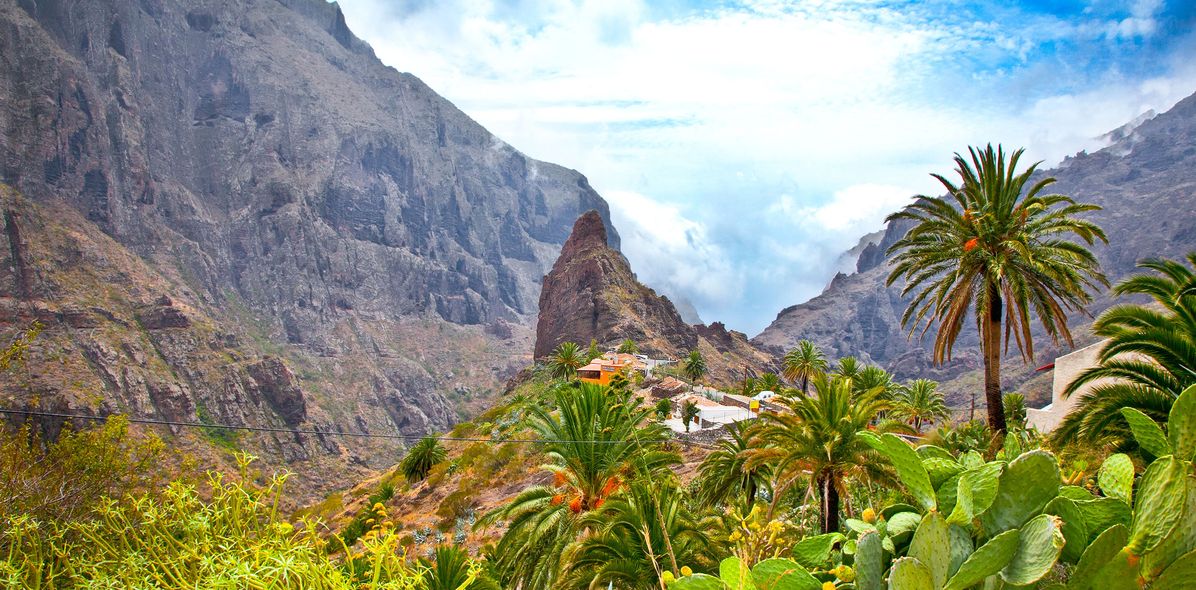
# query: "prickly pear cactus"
x,y
1101,551
814,552
910,574
735,574
909,466
1023,491
1116,478
1075,528
783,574
1039,544
1181,425
869,562
1161,498
987,560
1147,432
931,546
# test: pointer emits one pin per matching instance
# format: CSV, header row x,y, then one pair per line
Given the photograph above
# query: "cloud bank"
x,y
744,145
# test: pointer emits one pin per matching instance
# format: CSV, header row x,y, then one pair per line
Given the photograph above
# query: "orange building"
x,y
602,369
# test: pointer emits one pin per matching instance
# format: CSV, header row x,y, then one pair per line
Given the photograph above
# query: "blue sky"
x,y
744,145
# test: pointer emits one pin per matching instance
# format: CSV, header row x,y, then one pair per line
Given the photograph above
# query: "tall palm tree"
x,y
819,440
995,242
1149,359
595,441
803,363
695,366
565,361
768,382
919,402
874,377
629,547
724,474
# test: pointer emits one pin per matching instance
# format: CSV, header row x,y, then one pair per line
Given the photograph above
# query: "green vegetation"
x,y
1149,359
628,346
690,413
802,363
694,366
919,403
565,361
421,458
994,243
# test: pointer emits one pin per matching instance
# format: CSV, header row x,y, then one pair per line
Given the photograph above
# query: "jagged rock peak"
x,y
588,232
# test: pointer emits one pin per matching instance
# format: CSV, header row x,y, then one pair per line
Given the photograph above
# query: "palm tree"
x,y
874,377
593,352
448,571
848,368
689,413
724,473
1015,409
421,458
768,382
628,346
993,243
629,547
594,443
1149,359
565,361
695,366
803,362
919,402
819,440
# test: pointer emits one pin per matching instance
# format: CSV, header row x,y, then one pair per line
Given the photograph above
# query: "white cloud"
x,y
766,136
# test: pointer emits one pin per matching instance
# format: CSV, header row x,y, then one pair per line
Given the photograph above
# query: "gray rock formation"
x,y
1146,182
312,202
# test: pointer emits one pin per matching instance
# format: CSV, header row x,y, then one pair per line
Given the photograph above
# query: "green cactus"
x,y
735,574
1180,575
1147,432
961,548
947,492
1100,552
1181,425
1162,495
909,466
1120,573
1040,541
697,582
1116,478
910,574
1075,528
971,460
931,546
869,562
1075,493
987,560
814,552
1102,513
935,452
940,470
981,486
1181,540
1024,489
783,574
902,525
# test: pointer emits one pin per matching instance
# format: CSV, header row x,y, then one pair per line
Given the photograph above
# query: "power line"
x,y
316,432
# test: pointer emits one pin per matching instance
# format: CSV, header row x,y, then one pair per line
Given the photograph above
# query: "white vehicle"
x,y
764,396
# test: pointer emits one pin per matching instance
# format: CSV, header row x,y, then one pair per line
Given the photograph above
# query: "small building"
x,y
669,387
1066,369
602,369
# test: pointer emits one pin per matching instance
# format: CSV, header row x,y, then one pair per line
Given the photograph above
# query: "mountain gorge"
x,y
241,192
1145,180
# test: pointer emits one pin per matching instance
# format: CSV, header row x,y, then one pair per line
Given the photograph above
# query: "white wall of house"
x,y
1067,368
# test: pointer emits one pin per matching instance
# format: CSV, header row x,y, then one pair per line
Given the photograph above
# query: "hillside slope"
x,y
309,201
1146,182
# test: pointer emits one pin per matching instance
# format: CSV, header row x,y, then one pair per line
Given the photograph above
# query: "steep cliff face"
x,y
315,204
591,293
1146,183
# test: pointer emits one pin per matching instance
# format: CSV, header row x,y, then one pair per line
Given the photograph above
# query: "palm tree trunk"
x,y
992,362
830,502
805,385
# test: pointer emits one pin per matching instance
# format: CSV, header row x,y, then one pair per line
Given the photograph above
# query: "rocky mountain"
x,y
283,188
591,293
1146,183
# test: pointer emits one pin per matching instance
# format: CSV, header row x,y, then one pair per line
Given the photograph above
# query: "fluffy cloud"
x,y
743,146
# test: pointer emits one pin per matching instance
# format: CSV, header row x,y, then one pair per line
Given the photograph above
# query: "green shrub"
x,y
424,455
